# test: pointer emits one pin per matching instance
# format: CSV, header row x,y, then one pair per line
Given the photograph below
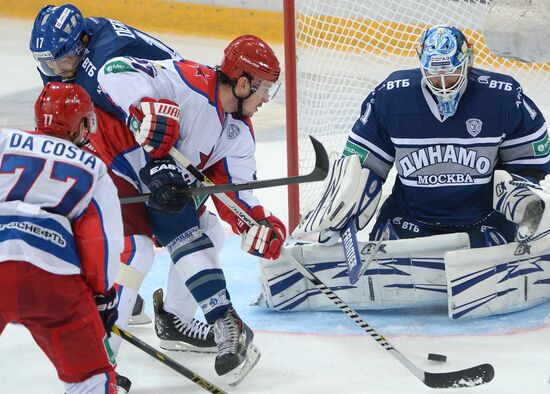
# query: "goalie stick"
x,y
318,173
468,377
357,266
205,384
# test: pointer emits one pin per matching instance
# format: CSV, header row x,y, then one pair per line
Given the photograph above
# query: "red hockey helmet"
x,y
61,107
250,54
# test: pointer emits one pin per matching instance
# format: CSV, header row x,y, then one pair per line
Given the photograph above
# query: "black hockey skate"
x,y
123,384
173,334
138,315
237,355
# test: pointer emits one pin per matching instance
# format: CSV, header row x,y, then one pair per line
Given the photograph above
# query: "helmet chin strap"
x,y
240,100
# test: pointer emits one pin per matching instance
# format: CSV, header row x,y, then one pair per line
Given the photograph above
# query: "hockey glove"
x,y
351,192
521,202
155,124
107,308
266,239
163,177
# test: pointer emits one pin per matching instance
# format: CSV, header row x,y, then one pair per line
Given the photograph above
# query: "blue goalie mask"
x,y
445,56
56,39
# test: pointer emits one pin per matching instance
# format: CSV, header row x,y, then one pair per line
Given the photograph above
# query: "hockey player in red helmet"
x,y
250,67
205,115
66,111
57,270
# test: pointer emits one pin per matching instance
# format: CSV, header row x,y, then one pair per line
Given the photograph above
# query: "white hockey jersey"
x,y
59,209
219,143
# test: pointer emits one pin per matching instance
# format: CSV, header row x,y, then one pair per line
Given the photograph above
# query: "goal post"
x,y
344,48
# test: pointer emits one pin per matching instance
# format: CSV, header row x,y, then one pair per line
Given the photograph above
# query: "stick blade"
x,y
469,377
321,159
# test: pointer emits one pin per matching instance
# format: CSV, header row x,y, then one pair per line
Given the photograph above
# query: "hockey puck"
x,y
437,357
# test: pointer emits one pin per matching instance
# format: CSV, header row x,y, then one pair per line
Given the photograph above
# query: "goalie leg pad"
x,y
498,279
405,273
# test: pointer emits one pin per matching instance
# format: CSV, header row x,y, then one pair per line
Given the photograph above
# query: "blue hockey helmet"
x,y
57,35
445,57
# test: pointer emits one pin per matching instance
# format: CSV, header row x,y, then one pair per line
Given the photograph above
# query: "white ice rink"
x,y
327,353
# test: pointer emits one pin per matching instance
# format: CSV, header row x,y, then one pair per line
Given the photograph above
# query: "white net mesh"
x,y
345,48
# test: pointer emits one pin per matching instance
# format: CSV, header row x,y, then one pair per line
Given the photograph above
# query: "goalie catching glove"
x,y
522,202
266,239
350,193
155,124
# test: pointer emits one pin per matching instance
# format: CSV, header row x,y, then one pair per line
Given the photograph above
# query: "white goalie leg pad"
x,y
405,273
498,279
523,203
348,190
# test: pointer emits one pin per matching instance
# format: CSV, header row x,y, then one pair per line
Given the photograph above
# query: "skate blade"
x,y
137,320
238,374
185,347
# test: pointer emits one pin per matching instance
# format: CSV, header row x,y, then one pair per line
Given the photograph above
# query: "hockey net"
x,y
345,48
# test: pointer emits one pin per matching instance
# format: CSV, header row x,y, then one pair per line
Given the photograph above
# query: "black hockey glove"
x,y
106,306
163,177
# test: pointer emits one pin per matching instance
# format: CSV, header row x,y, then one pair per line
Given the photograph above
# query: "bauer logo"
x,y
118,67
354,149
61,20
542,146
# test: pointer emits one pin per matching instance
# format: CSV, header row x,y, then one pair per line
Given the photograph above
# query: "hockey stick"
x,y
318,173
468,377
205,384
356,266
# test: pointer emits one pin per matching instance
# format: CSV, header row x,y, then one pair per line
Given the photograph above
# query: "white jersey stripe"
x,y
371,146
447,141
531,137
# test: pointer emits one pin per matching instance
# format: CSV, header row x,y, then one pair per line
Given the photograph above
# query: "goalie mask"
x,y
445,57
60,110
56,40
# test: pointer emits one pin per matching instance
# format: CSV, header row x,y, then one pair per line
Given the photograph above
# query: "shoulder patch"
x,y
118,66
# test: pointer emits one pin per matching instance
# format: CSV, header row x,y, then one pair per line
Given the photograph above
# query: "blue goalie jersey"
x,y
109,39
445,164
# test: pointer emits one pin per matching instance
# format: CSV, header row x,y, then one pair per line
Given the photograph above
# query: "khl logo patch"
x,y
473,126
233,131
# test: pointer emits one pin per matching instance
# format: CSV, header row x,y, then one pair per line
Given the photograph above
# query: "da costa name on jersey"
x,y
442,154
48,146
